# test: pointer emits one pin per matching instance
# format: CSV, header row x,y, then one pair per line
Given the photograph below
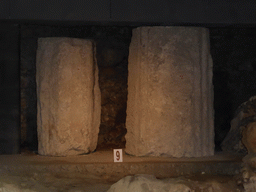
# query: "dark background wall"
x,y
9,89
232,28
166,12
234,56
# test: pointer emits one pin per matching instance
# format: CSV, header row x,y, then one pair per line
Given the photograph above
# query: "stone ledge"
x,y
100,164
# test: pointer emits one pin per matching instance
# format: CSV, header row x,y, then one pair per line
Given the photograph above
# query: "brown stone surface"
x,y
113,86
112,60
249,137
170,93
247,176
110,41
241,135
144,182
97,171
68,96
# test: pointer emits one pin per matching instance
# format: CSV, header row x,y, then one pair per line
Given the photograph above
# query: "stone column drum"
x,y
170,93
68,97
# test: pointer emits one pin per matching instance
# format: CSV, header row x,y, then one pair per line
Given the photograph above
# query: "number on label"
x,y
117,155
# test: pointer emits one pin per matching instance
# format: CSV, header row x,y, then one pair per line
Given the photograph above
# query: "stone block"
x,y
170,93
241,136
68,96
143,183
249,137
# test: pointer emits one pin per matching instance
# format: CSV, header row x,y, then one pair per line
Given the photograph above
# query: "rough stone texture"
x,y
113,86
249,137
248,175
242,128
170,93
68,97
144,183
112,59
250,186
110,41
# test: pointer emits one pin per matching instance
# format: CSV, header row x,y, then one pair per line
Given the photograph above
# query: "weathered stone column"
x,y
68,96
170,93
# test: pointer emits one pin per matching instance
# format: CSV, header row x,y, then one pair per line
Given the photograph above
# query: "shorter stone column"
x,y
68,97
170,93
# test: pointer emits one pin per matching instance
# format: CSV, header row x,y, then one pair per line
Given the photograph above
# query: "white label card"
x,y
118,155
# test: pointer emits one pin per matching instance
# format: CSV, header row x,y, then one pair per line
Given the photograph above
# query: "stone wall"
x,y
170,93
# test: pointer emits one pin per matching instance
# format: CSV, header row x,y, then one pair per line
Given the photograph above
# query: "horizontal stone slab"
x,y
101,164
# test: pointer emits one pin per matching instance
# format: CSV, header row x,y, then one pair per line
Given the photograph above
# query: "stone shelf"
x,y
101,164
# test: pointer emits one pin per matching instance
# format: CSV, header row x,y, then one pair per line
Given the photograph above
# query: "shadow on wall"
x,y
234,56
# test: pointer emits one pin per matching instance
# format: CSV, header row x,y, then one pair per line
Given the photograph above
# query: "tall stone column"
x,y
170,93
68,97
